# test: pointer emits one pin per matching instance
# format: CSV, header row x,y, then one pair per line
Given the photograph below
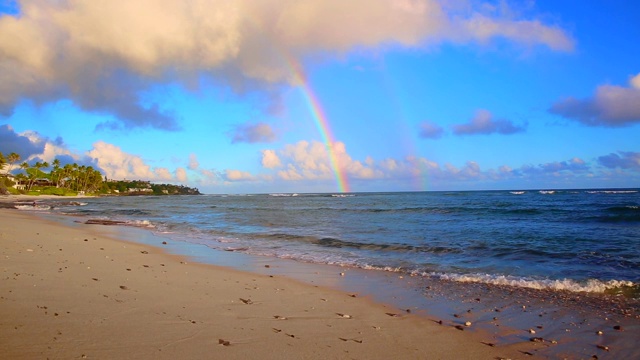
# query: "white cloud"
x,y
312,161
610,106
103,55
270,159
117,164
291,173
635,82
237,175
181,175
307,163
53,151
193,162
163,174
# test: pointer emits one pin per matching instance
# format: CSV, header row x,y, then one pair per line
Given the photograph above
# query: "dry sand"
x,y
70,292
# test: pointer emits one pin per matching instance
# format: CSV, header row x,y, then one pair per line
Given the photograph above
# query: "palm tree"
x,y
21,178
12,159
30,174
3,161
66,176
55,173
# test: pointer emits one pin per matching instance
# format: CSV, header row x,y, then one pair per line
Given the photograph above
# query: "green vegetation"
x,y
139,187
74,179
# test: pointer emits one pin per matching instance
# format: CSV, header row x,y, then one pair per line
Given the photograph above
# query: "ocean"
x,y
575,240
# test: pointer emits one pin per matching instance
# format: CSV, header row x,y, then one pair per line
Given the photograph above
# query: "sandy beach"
x,y
72,292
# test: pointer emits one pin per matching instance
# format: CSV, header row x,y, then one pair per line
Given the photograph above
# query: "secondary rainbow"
x,y
321,123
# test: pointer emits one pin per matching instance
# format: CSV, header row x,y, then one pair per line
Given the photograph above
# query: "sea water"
x,y
576,240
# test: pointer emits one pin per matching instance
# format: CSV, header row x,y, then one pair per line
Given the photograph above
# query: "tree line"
x,y
77,178
71,177
140,187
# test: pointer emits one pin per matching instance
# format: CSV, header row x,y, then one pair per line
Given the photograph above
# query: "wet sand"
x,y
72,292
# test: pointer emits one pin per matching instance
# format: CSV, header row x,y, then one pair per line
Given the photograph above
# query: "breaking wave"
x,y
591,285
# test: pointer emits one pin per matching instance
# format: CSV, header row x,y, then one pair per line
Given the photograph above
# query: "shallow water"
x,y
577,240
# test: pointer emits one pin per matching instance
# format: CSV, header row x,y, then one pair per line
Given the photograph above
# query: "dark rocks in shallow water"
x,y
104,222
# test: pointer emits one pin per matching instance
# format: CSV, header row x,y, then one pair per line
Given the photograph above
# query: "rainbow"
x,y
396,96
321,123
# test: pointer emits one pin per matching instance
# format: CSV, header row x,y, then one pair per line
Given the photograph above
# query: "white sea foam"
x,y
611,191
547,192
382,268
517,192
33,207
140,223
591,285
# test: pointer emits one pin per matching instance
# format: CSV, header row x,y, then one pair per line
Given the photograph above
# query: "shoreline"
x,y
566,323
72,292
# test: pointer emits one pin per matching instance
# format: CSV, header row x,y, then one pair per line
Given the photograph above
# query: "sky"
x,y
306,96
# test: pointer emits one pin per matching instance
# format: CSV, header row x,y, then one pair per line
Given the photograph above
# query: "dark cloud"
x,y
483,123
253,133
623,160
10,142
107,56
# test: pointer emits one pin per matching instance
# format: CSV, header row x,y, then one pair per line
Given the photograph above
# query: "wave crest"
x,y
591,285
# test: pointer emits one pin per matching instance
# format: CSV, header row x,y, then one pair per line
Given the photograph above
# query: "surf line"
x,y
321,123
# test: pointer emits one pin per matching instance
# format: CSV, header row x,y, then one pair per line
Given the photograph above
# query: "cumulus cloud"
x,y
31,147
193,162
308,163
181,175
429,130
270,159
623,160
21,144
117,164
610,106
106,56
484,123
237,175
163,174
253,133
312,161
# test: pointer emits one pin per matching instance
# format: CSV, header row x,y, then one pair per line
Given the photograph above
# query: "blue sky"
x,y
418,94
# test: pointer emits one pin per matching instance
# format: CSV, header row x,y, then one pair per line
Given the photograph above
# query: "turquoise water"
x,y
577,240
